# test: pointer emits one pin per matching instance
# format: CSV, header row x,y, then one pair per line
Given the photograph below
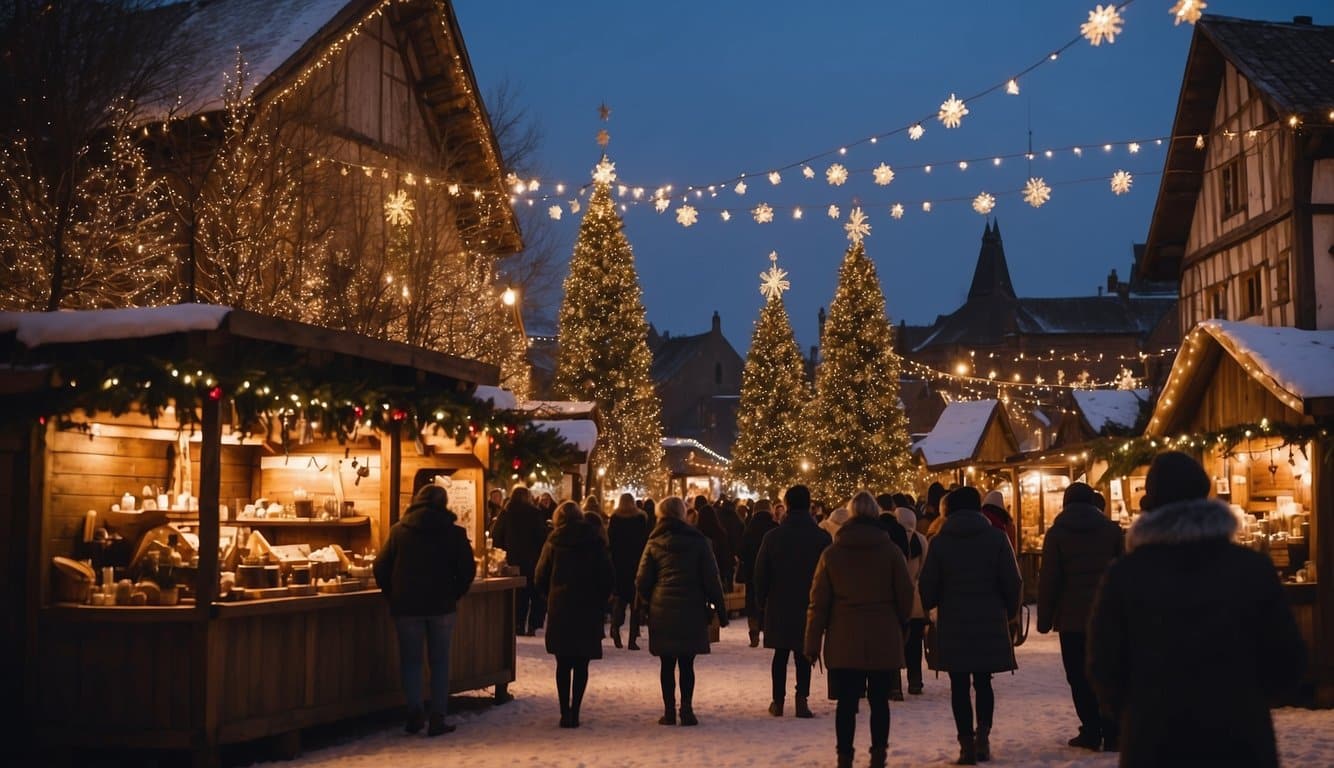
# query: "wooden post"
x,y
1322,530
203,698
394,473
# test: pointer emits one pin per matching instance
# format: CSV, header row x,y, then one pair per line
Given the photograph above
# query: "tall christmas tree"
x,y
858,434
604,354
768,450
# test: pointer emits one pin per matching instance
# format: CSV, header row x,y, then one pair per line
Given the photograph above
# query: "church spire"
x,y
991,277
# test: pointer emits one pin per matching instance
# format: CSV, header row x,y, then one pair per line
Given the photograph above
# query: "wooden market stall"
x,y
223,480
1256,405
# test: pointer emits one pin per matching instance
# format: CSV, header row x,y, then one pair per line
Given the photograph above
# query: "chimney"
x,y
1113,282
821,317
1305,21
717,322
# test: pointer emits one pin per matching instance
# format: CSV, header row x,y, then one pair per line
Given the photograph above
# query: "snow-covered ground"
x,y
1034,719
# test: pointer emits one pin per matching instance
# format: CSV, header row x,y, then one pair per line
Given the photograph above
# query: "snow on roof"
x,y
581,433
1104,408
502,399
958,432
1298,361
33,329
558,408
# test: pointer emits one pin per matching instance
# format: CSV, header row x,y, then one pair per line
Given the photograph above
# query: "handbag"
x,y
1019,627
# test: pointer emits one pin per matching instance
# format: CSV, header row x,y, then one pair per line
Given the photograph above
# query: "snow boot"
x,y
879,757
982,743
803,708
616,637
967,751
776,708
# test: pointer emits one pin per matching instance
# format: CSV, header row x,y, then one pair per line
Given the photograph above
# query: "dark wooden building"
x,y
699,380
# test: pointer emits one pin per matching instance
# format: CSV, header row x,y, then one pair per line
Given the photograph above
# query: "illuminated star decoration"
x,y
836,175
604,112
662,204
398,209
916,131
808,172
926,206
555,212
1036,192
605,172
1121,181
883,174
857,226
741,187
833,212
763,213
1012,87
951,112
1133,147
1188,10
686,215
773,282
603,138
896,210
775,178
1104,24
983,203
727,215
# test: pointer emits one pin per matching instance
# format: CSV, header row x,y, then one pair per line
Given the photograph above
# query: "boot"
x,y
564,714
982,743
616,637
688,717
776,708
967,751
754,639
844,760
669,712
1087,739
634,644
438,725
803,708
416,722
879,756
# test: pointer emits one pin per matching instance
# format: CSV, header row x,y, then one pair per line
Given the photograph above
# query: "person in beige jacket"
x,y
861,600
917,547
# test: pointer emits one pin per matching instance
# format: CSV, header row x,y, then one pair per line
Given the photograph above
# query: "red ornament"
x,y
398,414
358,411
517,464
41,420
215,393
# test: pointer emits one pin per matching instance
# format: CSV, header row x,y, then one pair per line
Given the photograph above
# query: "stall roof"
x,y
1110,408
35,329
686,456
958,434
558,409
581,433
502,399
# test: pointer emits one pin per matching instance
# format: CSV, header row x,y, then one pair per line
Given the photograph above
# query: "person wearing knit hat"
x,y
993,509
912,649
835,520
1190,636
930,509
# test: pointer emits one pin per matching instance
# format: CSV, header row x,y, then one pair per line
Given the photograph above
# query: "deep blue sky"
x,y
702,91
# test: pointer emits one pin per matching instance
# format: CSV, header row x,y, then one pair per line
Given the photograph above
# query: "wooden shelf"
x,y
298,522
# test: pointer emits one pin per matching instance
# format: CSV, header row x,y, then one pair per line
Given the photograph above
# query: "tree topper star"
x,y
605,172
604,111
772,282
857,226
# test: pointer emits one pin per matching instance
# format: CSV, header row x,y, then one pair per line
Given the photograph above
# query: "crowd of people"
x,y
1175,641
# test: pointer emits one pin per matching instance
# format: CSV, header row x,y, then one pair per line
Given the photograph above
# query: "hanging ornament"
x,y
775,178
1104,24
883,174
952,112
836,175
984,203
773,282
454,189
1199,141
1012,87
686,215
726,215
857,226
604,172
1133,147
1188,10
741,187
763,213
916,131
896,210
662,204
398,209
555,212
808,171
1121,181
926,206
1036,192
833,212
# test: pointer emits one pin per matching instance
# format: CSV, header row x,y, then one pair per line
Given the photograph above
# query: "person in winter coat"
x,y
861,598
521,530
627,533
917,549
834,521
1190,636
710,526
678,580
890,522
760,523
734,525
1078,547
993,509
930,509
784,569
575,575
971,578
425,568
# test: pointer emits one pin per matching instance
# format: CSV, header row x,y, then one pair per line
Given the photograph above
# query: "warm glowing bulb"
x,y
509,297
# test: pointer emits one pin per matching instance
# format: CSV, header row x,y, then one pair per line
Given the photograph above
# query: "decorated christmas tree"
x,y
768,450
858,435
604,355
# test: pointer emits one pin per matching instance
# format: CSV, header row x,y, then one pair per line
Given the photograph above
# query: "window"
x,y
1218,302
1232,190
1282,291
1252,293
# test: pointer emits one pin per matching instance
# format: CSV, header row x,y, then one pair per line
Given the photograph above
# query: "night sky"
x,y
701,92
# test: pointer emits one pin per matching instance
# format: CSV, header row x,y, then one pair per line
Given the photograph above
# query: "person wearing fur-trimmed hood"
x,y
1190,637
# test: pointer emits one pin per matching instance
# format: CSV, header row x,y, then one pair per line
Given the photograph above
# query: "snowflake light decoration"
x,y
574,206
1012,87
773,282
836,175
857,226
916,131
808,171
605,172
726,215
1104,24
775,178
1121,181
926,206
1133,147
398,209
555,212
833,212
686,215
883,174
740,187
984,203
662,204
896,210
1188,10
763,213
1036,192
951,112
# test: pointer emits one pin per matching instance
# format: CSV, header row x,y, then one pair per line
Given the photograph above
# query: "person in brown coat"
x,y
861,599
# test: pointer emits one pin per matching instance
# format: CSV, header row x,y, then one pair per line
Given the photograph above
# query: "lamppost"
x,y
510,298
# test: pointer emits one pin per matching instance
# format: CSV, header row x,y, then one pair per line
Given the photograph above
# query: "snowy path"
x,y
619,730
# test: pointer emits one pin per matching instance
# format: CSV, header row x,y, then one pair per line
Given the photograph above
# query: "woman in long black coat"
x,y
971,578
678,579
761,522
575,573
627,534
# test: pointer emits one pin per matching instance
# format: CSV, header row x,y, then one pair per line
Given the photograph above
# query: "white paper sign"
x,y
463,503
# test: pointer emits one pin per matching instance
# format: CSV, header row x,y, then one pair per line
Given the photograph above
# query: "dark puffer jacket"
x,y
783,573
861,598
627,533
427,564
970,576
678,580
521,530
757,526
1079,546
1190,639
575,574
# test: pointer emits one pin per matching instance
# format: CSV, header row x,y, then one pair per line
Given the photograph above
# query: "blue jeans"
x,y
435,633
